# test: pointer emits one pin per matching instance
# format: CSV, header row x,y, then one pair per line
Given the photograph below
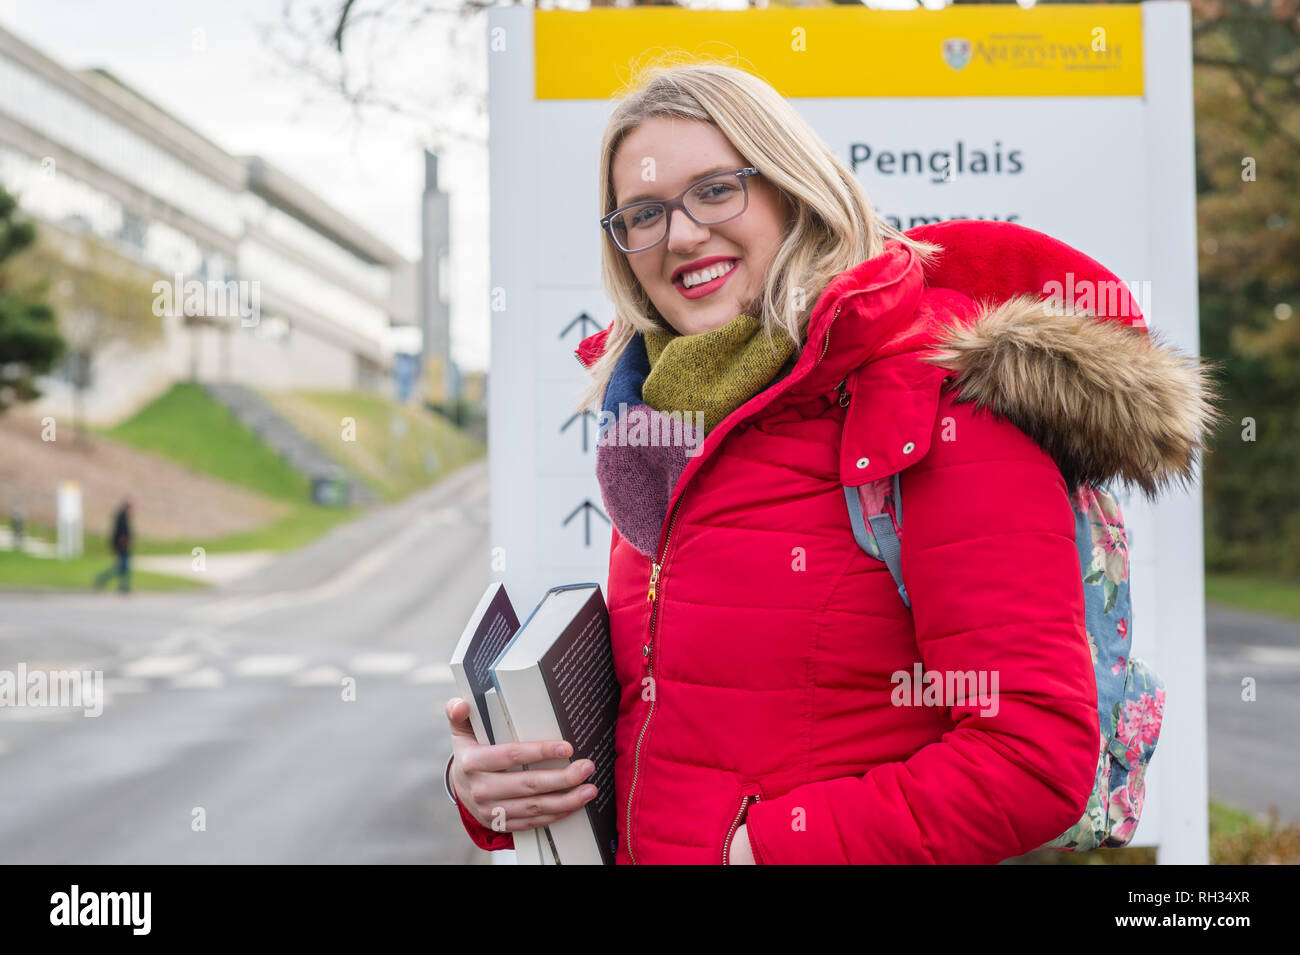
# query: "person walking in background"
x,y
121,541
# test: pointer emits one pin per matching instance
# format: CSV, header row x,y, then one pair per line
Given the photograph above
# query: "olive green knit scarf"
x,y
714,372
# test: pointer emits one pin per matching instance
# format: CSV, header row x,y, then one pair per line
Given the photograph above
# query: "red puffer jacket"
x,y
773,644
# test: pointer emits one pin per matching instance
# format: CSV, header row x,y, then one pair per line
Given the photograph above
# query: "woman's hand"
x,y
741,853
512,801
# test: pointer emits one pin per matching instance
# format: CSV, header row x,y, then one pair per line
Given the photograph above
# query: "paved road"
x,y
232,704
1254,757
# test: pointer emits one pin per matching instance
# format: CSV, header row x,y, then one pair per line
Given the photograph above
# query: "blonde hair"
x,y
835,226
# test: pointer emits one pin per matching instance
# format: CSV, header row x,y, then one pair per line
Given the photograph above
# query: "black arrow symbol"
x,y
580,414
586,507
583,317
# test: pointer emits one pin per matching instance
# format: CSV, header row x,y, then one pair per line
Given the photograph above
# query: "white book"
x,y
556,681
490,628
528,843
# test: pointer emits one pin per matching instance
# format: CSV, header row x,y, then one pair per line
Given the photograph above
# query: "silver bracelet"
x,y
446,782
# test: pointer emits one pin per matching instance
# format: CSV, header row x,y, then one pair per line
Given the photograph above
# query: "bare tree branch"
x,y
343,24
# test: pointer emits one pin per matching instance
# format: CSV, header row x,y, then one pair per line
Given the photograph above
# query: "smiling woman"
x,y
756,637
790,218
745,234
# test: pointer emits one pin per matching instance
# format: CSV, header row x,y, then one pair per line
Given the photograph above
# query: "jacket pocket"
x,y
749,794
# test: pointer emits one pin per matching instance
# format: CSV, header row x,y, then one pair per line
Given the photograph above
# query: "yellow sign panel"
x,y
986,50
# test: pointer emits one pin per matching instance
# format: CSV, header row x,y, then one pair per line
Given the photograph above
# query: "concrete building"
x,y
440,381
258,281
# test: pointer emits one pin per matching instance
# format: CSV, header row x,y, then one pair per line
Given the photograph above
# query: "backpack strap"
x,y
882,540
860,532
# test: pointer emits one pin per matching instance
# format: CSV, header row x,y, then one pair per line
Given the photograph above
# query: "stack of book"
x,y
549,678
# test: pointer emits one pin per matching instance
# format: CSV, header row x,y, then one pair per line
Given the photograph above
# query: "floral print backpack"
x,y
1130,695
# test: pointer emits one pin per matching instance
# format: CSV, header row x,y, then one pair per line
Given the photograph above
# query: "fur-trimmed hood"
x,y
1107,400
1061,349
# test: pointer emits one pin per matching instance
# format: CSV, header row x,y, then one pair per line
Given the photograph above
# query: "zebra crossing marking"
x,y
324,675
432,673
269,664
188,671
118,685
381,664
160,665
205,678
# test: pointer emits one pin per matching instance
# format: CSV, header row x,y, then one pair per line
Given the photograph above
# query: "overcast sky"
x,y
207,63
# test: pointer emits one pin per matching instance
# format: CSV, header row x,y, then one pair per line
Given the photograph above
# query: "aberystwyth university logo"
x,y
1034,51
956,52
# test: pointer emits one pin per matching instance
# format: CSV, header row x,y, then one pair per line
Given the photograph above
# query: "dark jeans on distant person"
x,y
120,569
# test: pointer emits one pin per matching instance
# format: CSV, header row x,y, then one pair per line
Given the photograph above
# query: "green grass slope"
x,y
194,430
393,461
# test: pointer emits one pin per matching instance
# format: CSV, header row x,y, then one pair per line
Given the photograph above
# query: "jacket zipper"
x,y
735,824
647,650
827,342
842,387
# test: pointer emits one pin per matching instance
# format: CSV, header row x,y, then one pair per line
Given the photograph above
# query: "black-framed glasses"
x,y
712,200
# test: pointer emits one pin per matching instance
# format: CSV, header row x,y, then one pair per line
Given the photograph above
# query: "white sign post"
x,y
69,540
1103,161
